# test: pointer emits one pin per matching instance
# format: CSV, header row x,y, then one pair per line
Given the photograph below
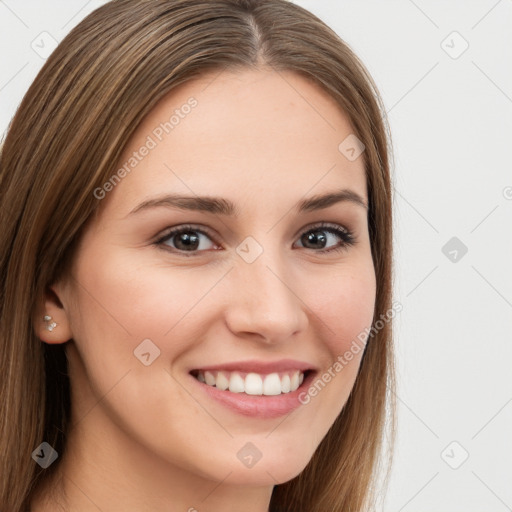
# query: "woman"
x,y
196,212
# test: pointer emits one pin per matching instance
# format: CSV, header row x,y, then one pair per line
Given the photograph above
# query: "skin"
x,y
145,437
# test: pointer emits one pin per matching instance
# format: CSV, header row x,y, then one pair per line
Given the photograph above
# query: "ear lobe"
x,y
50,321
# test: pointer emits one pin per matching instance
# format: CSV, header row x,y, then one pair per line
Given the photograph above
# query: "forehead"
x,y
253,133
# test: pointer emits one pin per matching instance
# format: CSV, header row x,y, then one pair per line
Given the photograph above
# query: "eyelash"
x,y
346,236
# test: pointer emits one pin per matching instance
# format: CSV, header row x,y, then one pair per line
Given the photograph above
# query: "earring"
x,y
49,325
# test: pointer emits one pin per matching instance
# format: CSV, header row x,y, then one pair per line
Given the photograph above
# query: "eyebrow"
x,y
221,206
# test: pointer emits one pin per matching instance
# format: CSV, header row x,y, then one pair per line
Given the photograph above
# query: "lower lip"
x,y
260,406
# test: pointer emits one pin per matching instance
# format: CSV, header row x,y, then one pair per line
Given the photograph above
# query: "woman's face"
x,y
249,281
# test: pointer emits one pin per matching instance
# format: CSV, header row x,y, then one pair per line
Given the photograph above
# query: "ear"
x,y
51,306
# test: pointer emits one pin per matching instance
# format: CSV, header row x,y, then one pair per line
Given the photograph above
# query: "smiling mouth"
x,y
251,383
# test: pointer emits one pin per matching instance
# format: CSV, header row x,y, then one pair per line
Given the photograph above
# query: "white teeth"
x,y
236,383
222,381
272,384
285,383
209,377
253,383
294,381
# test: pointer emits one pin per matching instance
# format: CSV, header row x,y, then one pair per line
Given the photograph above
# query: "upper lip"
x,y
264,367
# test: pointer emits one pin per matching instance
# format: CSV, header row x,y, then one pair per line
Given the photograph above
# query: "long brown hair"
x,y
65,141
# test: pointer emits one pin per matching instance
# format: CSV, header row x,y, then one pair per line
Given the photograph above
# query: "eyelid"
x,y
186,227
324,224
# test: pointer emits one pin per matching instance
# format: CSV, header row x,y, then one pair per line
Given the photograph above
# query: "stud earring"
x,y
49,324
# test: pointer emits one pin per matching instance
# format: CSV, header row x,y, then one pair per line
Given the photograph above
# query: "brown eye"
x,y
187,239
319,237
191,240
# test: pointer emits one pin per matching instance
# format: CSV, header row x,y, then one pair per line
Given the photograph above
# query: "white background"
x,y
451,120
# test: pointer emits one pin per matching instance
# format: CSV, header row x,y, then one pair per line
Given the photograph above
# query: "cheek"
x,y
119,304
346,306
122,302
345,312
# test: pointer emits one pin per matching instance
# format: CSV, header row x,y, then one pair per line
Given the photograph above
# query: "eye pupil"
x,y
187,240
313,237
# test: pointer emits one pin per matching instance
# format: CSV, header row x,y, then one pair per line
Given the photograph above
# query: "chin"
x,y
272,470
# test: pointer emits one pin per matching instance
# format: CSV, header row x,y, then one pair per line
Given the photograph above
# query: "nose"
x,y
262,302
